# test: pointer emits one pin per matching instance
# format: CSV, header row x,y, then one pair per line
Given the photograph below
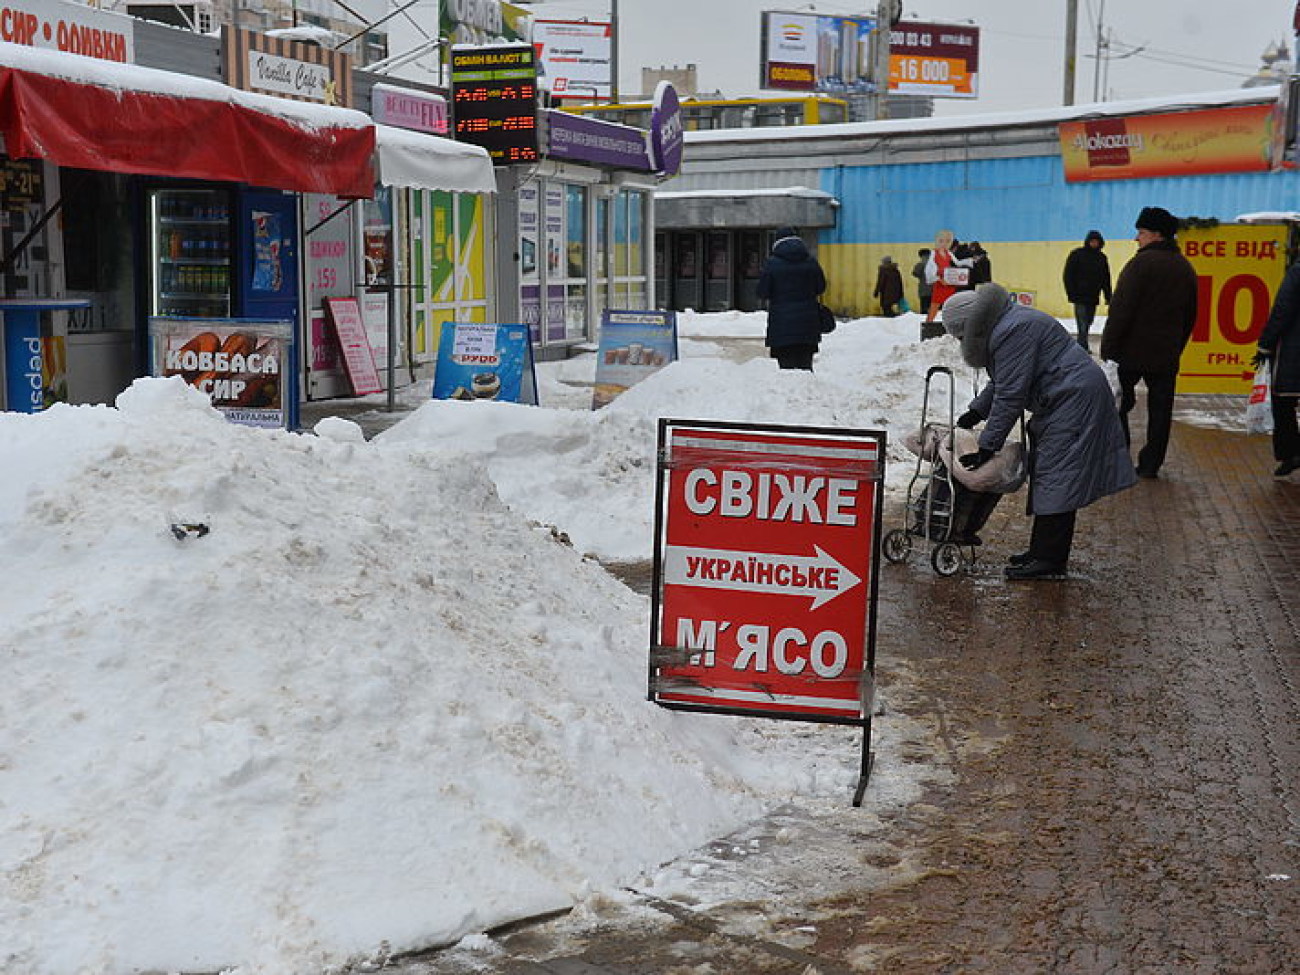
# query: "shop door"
x,y
717,277
688,272
749,265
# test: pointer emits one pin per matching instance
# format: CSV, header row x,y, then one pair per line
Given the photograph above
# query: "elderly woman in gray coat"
x,y
1077,451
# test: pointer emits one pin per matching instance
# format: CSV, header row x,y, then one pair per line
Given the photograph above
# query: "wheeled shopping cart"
x,y
940,509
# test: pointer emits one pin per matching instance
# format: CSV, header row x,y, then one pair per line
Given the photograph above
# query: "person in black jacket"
x,y
889,286
1152,314
791,281
1279,343
1087,277
981,269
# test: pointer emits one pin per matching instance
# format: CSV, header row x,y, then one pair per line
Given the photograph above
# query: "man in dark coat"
x,y
981,269
922,283
889,286
1152,313
791,281
1087,278
1279,343
1077,449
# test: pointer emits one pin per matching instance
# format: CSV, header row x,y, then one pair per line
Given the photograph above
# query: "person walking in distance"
x,y
1152,313
1087,278
922,285
889,286
1279,343
791,282
1077,450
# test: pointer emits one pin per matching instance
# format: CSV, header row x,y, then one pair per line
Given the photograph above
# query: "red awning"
x,y
89,114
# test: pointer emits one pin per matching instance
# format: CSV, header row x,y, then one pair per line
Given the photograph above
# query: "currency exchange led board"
x,y
494,100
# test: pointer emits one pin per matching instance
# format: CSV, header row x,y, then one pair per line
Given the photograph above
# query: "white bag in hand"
x,y
1111,369
1259,408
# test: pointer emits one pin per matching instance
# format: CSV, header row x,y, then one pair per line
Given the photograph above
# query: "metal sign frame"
x,y
773,531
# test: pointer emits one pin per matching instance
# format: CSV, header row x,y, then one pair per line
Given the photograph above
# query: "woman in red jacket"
x,y
947,273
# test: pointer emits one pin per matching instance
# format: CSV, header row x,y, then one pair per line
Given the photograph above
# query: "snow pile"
x,y
281,701
592,474
370,704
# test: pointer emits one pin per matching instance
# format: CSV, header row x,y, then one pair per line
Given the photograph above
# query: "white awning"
x,y
427,162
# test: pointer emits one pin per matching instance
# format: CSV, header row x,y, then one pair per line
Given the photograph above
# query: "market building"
x,y
1028,186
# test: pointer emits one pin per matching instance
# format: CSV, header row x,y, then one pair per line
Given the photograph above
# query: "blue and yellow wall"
x,y
1021,209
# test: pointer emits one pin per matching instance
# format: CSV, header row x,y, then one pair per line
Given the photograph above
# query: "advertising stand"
x,y
633,345
246,366
479,361
765,572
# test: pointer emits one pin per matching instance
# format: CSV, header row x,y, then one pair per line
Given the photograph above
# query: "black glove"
x,y
1260,357
973,462
968,419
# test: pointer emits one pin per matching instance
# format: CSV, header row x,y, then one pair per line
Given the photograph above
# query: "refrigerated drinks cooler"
x,y
192,250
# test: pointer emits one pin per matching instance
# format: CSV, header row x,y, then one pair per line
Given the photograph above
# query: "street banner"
x,y
478,361
577,57
1231,139
765,570
633,345
241,363
939,60
808,52
1239,268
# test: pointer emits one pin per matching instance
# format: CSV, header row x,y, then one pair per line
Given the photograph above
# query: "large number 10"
x,y
1225,309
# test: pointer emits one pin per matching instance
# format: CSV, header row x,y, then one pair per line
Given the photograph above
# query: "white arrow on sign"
x,y
820,576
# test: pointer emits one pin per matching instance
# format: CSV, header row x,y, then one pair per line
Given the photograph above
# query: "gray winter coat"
x,y
1077,448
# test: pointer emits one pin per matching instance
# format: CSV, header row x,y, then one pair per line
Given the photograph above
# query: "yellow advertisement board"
x,y
1238,268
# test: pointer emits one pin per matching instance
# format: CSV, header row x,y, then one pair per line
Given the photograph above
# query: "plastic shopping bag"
x,y
1111,369
1259,409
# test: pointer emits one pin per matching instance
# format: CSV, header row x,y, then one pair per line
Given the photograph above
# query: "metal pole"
x,y
1071,35
1096,67
613,51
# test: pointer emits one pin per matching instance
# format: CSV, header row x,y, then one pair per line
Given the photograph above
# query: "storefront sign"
x,y
1235,139
939,60
805,52
408,109
1239,269
667,138
633,346
592,140
286,68
494,101
478,361
766,541
71,28
576,57
358,358
239,363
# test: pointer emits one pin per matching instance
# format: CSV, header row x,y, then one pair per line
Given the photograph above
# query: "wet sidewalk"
x,y
1120,756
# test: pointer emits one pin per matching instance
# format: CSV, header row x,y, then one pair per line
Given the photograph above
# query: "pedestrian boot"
x,y
1287,466
1035,569
1021,558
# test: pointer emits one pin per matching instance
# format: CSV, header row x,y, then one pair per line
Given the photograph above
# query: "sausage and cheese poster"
x,y
243,365
765,570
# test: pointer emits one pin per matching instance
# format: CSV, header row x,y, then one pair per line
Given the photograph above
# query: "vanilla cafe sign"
x,y
289,76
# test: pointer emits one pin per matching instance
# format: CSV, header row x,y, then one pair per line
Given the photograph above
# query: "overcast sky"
x,y
1186,46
